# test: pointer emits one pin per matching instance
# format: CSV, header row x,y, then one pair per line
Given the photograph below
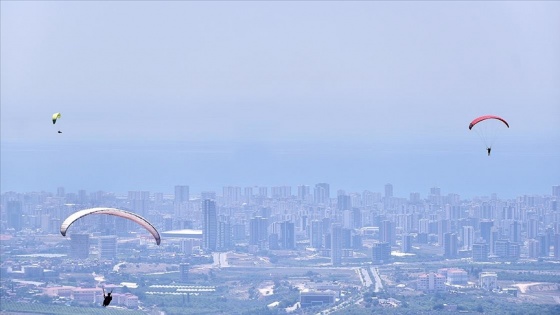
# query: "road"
x,y
377,278
364,277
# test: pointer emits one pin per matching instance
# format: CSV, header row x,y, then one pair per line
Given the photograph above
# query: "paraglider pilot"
x,y
488,149
107,297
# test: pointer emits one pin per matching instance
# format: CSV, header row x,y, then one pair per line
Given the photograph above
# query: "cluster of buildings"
x,y
483,228
337,227
90,296
446,278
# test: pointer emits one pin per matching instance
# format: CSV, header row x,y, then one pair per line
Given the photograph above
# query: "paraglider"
x,y
107,298
55,117
110,211
487,127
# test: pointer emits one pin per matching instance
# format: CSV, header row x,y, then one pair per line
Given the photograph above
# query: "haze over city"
x,y
317,157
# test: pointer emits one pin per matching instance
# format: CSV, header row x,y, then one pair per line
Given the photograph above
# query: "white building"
x,y
488,280
457,277
88,295
431,282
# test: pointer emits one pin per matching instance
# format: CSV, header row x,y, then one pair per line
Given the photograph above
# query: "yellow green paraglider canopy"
x,y
55,116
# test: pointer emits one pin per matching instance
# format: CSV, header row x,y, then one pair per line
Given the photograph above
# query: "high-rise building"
x,y
357,241
515,232
369,198
210,195
79,246
322,193
316,234
303,223
450,245
486,230
82,197
273,241
344,203
544,245
501,248
14,215
532,228
224,236
387,232
346,238
452,212
444,226
209,225
239,232
381,253
556,191
404,222
414,198
336,244
407,243
248,194
388,191
265,212
287,235
181,194
356,218
557,246
424,226
108,247
139,202
480,252
487,211
514,251
231,194
533,248
258,231
467,237
281,192
263,192
435,191
304,192
187,246
347,219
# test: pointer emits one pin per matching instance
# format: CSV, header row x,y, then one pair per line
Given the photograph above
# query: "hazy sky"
x,y
397,74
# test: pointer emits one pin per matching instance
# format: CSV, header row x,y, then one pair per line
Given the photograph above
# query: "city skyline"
x,y
328,240
279,157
